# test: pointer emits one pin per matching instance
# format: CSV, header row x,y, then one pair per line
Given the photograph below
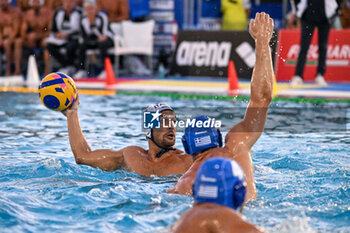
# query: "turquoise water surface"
x,y
302,168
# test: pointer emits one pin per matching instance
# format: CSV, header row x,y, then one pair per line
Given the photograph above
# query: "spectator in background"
x,y
139,10
53,4
80,3
345,14
65,34
320,14
235,14
13,3
10,21
79,7
117,10
96,35
23,5
219,191
35,28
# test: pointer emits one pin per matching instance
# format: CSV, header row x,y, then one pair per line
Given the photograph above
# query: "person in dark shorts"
x,y
314,14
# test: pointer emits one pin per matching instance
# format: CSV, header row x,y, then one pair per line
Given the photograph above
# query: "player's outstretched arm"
x,y
248,131
108,160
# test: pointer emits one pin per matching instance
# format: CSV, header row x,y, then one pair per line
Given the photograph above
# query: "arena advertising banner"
x,y
338,56
207,53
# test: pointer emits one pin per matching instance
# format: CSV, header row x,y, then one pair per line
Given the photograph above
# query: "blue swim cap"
x,y
197,139
220,181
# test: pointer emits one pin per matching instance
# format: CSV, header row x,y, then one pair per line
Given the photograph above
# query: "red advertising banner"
x,y
338,56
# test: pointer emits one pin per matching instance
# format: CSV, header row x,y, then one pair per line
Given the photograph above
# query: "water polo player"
x,y
218,192
240,139
160,159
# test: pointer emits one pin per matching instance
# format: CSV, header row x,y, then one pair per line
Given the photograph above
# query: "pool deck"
x,y
195,86
218,87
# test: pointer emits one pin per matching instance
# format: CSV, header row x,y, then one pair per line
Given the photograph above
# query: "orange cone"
x,y
233,87
110,78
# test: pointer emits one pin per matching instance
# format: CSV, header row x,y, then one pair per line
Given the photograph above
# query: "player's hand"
x,y
73,108
261,28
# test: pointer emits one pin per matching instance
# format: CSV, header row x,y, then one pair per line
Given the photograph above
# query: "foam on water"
x,y
302,178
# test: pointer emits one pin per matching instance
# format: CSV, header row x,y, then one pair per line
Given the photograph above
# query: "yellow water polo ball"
x,y
57,91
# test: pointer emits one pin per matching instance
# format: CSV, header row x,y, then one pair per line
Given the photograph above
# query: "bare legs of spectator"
x,y
33,41
15,56
18,55
46,57
8,54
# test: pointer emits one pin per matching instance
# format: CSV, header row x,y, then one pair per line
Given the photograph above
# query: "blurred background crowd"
x,y
61,32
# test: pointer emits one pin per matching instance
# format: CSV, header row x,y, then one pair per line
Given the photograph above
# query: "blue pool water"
x,y
302,176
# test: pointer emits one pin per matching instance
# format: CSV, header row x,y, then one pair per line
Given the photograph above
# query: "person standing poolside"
x,y
160,159
240,139
218,191
320,14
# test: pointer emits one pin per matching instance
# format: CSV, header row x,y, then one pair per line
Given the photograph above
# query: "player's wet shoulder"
x,y
134,149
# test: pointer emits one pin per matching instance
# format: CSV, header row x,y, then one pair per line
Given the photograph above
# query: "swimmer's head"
x,y
163,137
197,139
220,181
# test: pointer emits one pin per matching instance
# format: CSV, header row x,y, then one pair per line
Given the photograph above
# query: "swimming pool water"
x,y
302,177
